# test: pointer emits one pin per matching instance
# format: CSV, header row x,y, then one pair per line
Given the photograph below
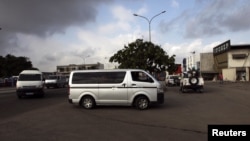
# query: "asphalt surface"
x,y
183,117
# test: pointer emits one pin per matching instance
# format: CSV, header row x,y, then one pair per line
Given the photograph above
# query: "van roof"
x,y
31,72
107,70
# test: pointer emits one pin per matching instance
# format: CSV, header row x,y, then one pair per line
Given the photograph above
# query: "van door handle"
x,y
133,85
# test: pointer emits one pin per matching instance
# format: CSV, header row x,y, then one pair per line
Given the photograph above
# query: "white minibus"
x,y
29,83
128,87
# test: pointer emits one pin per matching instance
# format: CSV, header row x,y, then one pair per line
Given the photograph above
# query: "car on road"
x,y
192,81
173,80
127,87
56,81
29,83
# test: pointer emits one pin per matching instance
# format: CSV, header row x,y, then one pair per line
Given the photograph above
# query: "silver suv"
x,y
56,81
172,80
192,81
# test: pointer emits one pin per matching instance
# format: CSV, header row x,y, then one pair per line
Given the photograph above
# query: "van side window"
x,y
111,77
141,77
85,78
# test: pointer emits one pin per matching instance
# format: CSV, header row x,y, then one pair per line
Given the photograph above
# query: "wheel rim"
x,y
88,103
143,103
193,80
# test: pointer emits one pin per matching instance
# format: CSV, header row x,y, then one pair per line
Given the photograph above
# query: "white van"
x,y
130,87
30,82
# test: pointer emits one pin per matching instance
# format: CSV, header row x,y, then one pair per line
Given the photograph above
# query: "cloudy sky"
x,y
62,32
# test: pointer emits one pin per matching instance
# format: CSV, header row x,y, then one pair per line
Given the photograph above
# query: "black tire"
x,y
201,90
193,80
183,90
19,97
88,102
141,103
42,95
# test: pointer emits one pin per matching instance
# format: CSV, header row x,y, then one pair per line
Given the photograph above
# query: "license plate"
x,y
29,93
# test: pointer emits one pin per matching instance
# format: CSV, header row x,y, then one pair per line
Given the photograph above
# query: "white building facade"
x,y
193,61
233,61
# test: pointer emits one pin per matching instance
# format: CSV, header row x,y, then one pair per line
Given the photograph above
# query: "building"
x,y
66,69
207,66
233,61
191,62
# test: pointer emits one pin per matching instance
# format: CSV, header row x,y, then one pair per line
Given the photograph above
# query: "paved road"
x,y
183,117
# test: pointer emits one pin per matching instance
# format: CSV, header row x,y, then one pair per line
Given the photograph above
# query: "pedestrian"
x,y
221,78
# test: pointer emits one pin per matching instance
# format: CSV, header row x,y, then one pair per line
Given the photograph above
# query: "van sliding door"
x,y
113,88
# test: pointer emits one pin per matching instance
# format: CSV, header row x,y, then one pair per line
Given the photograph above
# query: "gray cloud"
x,y
42,17
213,18
167,26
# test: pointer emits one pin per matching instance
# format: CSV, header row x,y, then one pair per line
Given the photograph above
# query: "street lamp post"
x,y
84,58
149,22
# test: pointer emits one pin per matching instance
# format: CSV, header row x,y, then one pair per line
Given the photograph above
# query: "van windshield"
x,y
141,77
29,77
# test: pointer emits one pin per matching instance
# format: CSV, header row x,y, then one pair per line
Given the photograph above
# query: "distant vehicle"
x,y
56,81
173,80
128,87
29,83
1,82
192,81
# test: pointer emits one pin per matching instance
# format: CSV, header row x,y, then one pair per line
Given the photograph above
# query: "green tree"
x,y
143,55
11,65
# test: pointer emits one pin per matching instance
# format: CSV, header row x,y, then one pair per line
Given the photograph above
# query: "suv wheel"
x,y
201,90
193,80
183,90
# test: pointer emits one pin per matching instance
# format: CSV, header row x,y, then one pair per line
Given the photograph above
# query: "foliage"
x,y
11,65
144,55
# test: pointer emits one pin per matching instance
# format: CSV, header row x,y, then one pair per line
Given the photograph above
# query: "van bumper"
x,y
193,87
33,91
70,101
160,98
51,85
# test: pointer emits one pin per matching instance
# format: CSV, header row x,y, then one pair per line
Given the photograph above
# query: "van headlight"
x,y
160,90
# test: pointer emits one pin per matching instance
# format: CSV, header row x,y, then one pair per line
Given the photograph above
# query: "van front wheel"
x,y
141,103
88,102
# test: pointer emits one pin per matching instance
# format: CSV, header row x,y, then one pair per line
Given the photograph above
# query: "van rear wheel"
x,y
141,103
88,102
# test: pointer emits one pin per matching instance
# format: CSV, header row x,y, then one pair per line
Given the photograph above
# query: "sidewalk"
x,y
231,85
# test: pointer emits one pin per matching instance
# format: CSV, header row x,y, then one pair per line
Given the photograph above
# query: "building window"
x,y
61,69
239,56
